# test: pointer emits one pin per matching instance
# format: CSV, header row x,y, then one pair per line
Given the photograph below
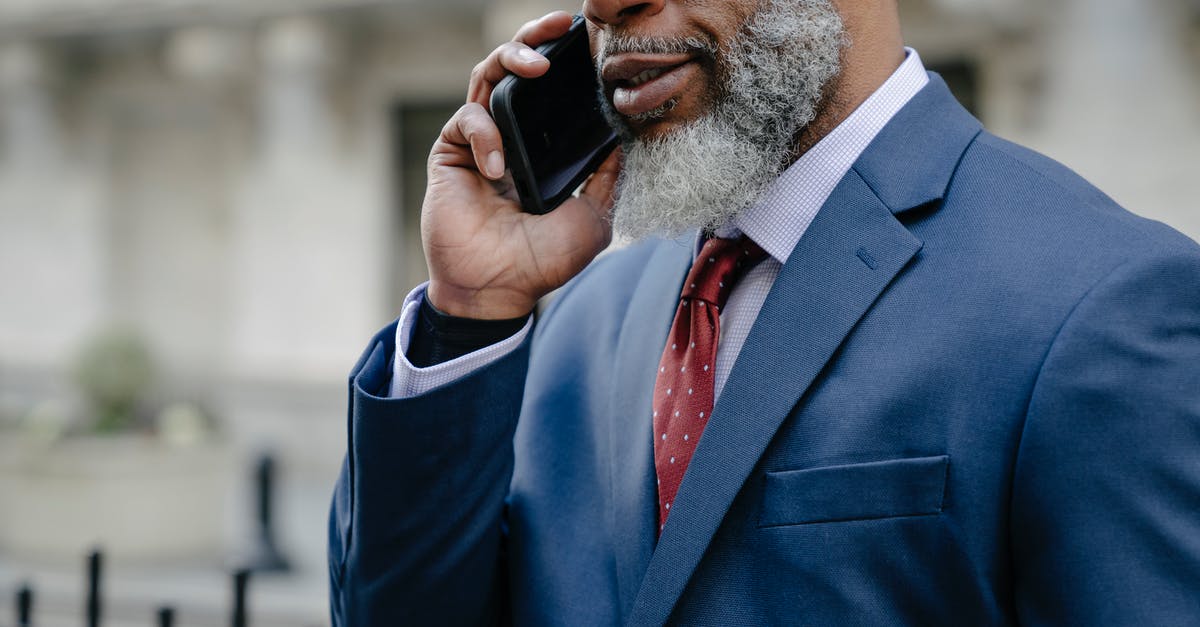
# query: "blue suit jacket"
x,y
972,397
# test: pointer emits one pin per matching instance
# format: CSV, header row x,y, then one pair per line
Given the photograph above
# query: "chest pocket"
x,y
885,489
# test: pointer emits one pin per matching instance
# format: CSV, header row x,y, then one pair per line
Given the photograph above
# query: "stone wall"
x,y
224,177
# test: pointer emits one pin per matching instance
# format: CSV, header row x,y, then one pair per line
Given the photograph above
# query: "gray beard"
x,y
704,173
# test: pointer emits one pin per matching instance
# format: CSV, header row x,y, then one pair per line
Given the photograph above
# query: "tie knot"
x,y
719,265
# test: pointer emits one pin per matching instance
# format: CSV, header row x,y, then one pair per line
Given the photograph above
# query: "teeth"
x,y
646,76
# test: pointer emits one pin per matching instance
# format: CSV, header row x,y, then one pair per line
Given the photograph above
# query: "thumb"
x,y
598,191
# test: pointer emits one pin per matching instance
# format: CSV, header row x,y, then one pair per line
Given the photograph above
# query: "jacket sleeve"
x,y
1105,524
416,526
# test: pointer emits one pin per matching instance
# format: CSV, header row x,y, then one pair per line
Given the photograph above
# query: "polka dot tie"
x,y
683,392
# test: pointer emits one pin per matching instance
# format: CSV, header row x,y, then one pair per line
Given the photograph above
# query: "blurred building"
x,y
240,181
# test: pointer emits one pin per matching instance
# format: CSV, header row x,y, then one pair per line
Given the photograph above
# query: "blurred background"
x,y
207,207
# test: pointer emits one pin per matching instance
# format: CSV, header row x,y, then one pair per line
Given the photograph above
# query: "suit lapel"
x,y
850,253
815,302
631,465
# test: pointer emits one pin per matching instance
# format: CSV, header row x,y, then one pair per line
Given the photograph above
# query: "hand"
x,y
487,258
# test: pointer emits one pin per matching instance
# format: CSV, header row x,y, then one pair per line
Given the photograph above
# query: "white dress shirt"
x,y
776,223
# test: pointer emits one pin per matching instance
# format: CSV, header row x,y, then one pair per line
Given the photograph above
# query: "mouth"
x,y
640,83
647,76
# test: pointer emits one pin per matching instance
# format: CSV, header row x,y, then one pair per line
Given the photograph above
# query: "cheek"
x,y
722,24
724,20
594,41
704,91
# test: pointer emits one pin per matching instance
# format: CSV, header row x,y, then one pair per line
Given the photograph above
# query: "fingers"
x,y
583,223
472,127
514,57
517,56
539,31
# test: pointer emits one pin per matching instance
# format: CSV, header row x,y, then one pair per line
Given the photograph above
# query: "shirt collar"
x,y
778,220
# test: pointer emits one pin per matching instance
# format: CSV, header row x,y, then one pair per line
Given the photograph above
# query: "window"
x,y
962,76
415,126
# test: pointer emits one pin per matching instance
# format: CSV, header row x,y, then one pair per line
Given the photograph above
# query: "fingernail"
x,y
529,56
495,164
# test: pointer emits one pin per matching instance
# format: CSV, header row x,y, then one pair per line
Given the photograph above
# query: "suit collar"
x,y
911,161
779,218
852,251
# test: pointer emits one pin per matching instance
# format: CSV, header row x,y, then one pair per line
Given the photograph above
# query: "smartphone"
x,y
553,129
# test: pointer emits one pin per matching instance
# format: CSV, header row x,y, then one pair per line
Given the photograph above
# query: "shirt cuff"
x,y
409,381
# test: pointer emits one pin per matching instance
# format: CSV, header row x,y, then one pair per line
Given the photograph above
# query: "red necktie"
x,y
683,392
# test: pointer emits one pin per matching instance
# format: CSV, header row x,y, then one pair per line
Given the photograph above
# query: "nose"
x,y
615,12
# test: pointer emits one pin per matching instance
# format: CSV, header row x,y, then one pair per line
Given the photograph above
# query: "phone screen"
x,y
559,123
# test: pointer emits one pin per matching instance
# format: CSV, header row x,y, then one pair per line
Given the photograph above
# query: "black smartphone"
x,y
553,129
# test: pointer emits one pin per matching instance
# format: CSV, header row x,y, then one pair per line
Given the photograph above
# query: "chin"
x,y
650,130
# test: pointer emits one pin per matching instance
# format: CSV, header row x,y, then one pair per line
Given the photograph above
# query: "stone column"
x,y
295,117
50,232
1121,105
31,139
308,269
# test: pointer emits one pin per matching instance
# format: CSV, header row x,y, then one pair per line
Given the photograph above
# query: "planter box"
x,y
138,498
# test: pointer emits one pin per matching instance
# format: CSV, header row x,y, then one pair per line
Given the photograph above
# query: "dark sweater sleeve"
x,y
439,337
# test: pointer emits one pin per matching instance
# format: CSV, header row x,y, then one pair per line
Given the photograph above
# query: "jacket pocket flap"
x,y
898,487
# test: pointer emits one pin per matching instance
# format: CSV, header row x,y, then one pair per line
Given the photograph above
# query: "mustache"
x,y
616,43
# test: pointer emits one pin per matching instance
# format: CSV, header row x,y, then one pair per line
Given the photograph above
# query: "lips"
x,y
641,83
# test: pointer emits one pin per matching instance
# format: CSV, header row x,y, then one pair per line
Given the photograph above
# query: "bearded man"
x,y
868,364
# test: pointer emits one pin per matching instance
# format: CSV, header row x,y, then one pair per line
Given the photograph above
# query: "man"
x,y
893,370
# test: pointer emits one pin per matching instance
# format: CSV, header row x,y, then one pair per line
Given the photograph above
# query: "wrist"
x,y
485,304
439,337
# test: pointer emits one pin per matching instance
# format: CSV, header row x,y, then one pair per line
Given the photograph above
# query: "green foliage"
x,y
115,371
